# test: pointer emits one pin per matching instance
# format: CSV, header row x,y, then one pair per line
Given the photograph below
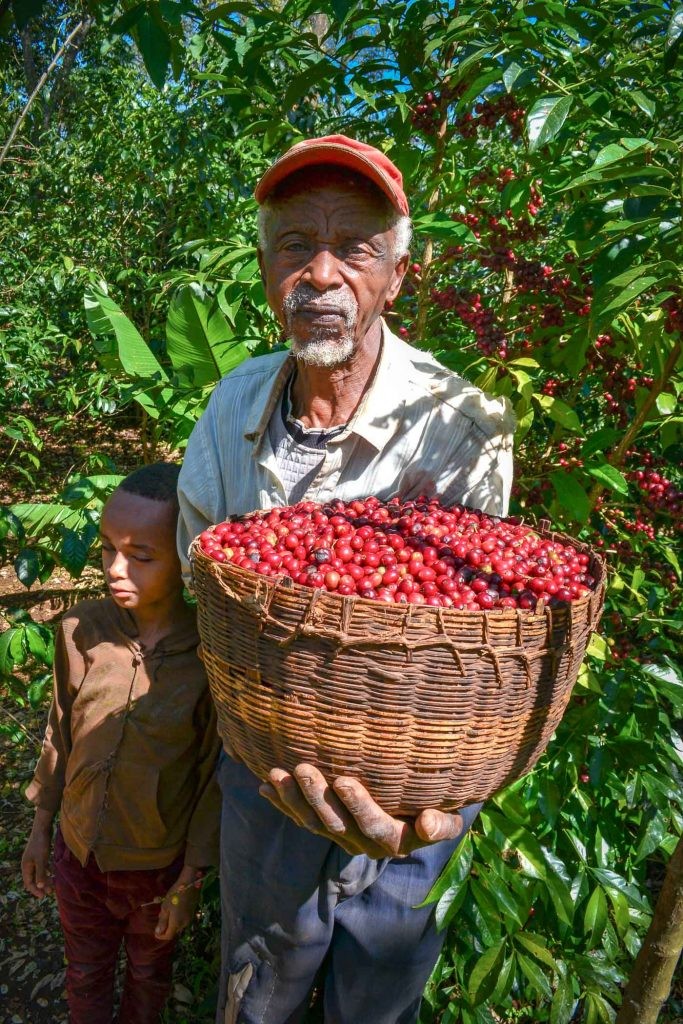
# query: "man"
x,y
317,876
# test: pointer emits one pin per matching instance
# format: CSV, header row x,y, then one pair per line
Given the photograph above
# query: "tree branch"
x,y
62,75
650,981
41,82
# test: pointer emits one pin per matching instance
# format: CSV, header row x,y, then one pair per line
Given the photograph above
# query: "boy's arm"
x,y
45,790
201,849
35,861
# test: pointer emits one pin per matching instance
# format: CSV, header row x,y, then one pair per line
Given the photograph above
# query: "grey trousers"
x,y
292,900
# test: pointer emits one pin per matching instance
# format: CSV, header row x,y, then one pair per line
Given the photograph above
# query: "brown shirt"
x,y
131,744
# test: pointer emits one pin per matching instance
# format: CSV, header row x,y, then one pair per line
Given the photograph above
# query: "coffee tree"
x,y
543,151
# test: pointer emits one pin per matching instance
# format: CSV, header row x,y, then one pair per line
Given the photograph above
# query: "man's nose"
x,y
322,271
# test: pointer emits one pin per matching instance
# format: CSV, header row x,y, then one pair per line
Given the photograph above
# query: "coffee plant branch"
x,y
617,456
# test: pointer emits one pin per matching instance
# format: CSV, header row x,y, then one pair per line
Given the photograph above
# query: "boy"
x,y
128,760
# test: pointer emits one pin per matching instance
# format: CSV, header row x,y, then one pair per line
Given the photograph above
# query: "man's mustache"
x,y
306,297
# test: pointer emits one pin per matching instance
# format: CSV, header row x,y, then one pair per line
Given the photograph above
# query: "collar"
x,y
379,414
183,638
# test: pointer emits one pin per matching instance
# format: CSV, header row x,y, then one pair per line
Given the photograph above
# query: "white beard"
x,y
324,347
326,352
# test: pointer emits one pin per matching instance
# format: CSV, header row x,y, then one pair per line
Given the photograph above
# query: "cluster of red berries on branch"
x,y
490,337
488,113
659,491
425,117
673,307
405,552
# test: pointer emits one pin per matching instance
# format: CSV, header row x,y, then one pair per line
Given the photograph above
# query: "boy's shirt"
x,y
130,749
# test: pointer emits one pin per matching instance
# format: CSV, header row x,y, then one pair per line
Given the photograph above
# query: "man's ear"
x,y
399,273
261,265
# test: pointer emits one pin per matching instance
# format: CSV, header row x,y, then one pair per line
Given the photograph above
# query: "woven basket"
x,y
427,707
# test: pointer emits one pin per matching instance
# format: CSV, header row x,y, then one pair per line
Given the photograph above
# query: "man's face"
x,y
328,269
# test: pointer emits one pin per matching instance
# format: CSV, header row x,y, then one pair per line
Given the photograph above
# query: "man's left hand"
x,y
346,813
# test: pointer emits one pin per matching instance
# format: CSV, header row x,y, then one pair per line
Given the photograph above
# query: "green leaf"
x,y
666,404
628,294
535,976
545,119
536,944
27,566
484,976
199,339
674,32
571,496
155,46
609,476
559,411
511,74
107,319
562,1008
611,880
440,225
595,917
645,103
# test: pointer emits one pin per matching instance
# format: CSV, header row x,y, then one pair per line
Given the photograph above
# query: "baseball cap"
x,y
343,152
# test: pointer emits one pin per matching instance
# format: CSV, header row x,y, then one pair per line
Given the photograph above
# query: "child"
x,y
128,760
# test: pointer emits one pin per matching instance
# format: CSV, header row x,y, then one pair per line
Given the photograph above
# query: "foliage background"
x,y
542,144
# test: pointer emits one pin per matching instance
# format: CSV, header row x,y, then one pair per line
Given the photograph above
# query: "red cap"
x,y
344,152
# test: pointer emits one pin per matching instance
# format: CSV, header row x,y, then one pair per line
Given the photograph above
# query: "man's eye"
x,y
140,558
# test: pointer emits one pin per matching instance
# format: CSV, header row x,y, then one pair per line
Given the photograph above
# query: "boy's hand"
x,y
346,813
180,903
35,863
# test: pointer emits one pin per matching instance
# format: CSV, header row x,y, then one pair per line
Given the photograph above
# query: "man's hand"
x,y
180,903
35,861
346,813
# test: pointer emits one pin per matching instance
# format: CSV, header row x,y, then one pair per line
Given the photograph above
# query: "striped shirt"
x,y
419,429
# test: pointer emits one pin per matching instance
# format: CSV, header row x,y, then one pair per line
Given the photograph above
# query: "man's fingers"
x,y
434,826
283,792
374,823
322,799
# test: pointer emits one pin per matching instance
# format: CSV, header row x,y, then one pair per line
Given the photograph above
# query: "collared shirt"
x,y
131,745
419,429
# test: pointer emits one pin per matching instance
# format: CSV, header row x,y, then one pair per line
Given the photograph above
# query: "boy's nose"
x,y
118,568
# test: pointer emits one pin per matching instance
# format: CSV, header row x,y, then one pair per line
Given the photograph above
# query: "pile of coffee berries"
x,y
405,552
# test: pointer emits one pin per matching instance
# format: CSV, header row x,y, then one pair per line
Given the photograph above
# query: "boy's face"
x,y
139,553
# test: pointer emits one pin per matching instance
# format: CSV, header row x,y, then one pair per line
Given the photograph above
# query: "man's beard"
x,y
325,345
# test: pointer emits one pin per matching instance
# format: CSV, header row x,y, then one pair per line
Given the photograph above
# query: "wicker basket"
x,y
428,707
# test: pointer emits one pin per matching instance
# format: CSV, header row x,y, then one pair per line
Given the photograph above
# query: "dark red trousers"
x,y
99,910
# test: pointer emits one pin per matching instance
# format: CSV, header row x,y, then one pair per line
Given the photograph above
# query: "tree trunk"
x,y
650,981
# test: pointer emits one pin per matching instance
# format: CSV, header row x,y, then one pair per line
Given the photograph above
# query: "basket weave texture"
x,y
427,707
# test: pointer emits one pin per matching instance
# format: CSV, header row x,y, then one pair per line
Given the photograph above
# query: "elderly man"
x,y
318,881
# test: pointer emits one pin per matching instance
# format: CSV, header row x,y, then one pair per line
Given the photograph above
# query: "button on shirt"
x,y
419,429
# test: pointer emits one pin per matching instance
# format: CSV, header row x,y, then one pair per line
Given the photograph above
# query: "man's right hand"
x,y
35,863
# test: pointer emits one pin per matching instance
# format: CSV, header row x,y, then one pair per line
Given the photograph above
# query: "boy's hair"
x,y
158,481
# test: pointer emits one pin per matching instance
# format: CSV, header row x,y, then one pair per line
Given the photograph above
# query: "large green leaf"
x,y
199,339
484,976
545,120
571,495
106,318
